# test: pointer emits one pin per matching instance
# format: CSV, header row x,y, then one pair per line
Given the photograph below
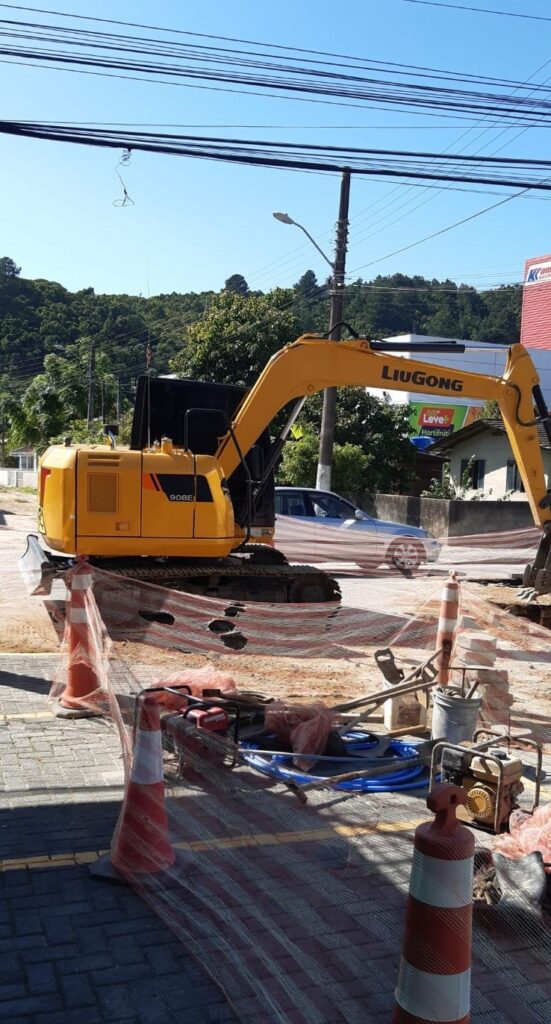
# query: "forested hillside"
x,y
46,333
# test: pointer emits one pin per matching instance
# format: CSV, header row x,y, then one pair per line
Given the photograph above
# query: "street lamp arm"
x,y
314,243
284,218
328,416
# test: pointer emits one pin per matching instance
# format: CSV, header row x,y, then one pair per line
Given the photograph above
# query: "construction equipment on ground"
x,y
490,773
193,508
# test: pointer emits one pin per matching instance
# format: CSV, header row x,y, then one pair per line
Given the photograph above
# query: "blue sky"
x,y
194,223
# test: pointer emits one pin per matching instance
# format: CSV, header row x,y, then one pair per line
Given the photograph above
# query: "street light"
x,y
327,432
284,218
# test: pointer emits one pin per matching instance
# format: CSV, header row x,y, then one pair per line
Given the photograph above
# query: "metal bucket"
x,y
454,717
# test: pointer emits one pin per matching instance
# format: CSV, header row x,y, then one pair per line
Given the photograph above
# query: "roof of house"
x,y
443,444
23,451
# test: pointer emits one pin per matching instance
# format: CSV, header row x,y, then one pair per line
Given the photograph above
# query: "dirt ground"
x,y
26,627
24,624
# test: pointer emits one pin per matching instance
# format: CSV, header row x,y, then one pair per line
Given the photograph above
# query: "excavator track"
x,y
258,573
232,578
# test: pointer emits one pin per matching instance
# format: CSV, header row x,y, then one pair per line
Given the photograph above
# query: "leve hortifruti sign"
x,y
440,420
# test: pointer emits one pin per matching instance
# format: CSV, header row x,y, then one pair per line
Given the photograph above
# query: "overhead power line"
x,y
191,65
234,39
477,10
435,234
299,156
93,39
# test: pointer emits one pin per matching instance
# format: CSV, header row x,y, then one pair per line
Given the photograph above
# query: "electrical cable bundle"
x,y
301,156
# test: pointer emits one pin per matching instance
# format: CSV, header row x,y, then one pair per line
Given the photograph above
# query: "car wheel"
x,y
405,554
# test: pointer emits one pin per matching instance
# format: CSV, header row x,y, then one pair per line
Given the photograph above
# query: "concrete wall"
x,y
447,518
18,478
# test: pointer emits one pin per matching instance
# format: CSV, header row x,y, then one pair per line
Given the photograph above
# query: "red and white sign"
x,y
431,417
535,330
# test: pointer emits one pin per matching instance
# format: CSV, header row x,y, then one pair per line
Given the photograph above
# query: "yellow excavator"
x,y
193,508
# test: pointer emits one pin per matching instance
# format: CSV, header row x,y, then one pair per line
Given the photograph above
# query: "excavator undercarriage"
x,y
257,573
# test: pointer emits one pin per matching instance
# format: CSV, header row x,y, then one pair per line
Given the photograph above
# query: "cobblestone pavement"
x,y
74,950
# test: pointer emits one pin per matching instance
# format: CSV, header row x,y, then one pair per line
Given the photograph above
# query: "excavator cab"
x,y
195,415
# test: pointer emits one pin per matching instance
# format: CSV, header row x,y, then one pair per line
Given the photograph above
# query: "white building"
x,y
27,459
483,450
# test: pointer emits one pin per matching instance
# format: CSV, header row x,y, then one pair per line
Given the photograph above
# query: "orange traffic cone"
x,y
447,627
82,681
141,844
434,981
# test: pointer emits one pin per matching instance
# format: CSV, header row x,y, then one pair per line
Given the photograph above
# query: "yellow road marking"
x,y
230,842
26,714
28,654
72,859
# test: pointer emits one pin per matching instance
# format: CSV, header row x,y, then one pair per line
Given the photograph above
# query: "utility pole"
x,y
118,399
91,380
323,479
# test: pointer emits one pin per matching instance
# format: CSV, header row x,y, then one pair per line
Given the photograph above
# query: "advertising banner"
x,y
440,420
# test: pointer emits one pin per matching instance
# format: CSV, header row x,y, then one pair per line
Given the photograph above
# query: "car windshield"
x,y
327,506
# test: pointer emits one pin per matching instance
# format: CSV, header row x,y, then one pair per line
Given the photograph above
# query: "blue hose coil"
x,y
394,782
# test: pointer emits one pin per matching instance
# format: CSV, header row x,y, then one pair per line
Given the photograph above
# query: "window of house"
x,y
476,470
514,480
26,462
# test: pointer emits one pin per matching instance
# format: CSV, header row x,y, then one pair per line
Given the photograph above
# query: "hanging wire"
x,y
124,161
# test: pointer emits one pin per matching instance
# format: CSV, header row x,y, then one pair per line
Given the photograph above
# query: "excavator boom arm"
x,y
312,364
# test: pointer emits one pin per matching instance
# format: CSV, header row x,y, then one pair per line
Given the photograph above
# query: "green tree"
x,y
226,337
307,286
8,267
237,284
58,397
490,410
378,428
81,433
232,344
311,303
236,337
446,488
300,458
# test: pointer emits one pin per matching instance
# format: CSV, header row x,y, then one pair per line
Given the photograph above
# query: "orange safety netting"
x,y
295,911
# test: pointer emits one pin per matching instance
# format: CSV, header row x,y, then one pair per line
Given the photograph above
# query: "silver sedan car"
x,y
370,542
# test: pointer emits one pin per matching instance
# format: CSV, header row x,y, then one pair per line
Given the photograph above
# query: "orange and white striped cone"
x,y
141,844
82,680
434,981
447,627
